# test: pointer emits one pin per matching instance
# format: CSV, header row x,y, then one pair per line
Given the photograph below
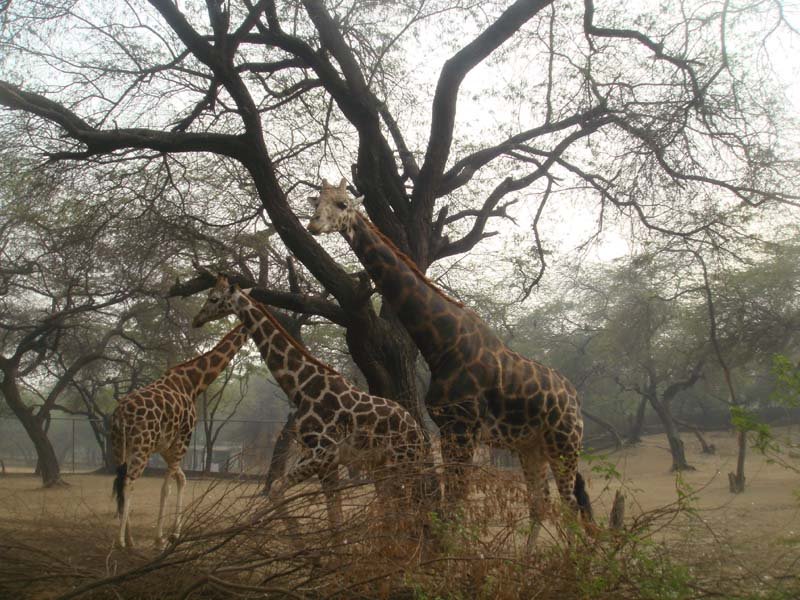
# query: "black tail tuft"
x,y
584,504
118,490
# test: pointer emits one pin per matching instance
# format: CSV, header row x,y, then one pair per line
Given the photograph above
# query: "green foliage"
x,y
787,392
759,433
602,467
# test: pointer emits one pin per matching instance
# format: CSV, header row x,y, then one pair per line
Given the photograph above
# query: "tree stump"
x,y
736,484
616,521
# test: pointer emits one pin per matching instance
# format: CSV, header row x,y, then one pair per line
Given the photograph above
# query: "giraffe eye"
x,y
341,205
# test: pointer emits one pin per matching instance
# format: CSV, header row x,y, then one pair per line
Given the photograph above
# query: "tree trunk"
x,y
635,433
47,463
209,455
736,480
280,452
676,448
387,356
605,425
100,428
707,448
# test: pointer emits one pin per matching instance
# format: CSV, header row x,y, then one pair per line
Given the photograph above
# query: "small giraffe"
x,y
160,417
335,423
480,389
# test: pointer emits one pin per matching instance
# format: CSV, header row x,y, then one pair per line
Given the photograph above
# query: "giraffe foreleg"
x,y
320,460
534,467
165,490
458,448
180,479
329,480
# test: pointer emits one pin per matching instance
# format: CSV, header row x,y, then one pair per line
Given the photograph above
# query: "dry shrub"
x,y
235,547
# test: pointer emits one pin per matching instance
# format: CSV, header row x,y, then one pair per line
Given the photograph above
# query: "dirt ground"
x,y
759,530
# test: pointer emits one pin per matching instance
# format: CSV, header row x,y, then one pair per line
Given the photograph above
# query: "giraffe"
x,y
480,389
160,417
334,422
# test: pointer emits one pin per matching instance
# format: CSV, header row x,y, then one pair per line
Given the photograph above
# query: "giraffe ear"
x,y
343,185
356,202
247,290
313,201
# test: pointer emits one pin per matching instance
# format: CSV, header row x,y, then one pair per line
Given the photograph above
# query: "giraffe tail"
x,y
118,489
582,496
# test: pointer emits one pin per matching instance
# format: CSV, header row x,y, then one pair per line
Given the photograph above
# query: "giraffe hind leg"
x,y
572,489
127,474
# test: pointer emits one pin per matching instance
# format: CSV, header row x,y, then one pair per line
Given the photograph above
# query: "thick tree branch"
x,y
657,48
463,170
510,184
106,141
332,39
446,95
676,387
94,354
296,302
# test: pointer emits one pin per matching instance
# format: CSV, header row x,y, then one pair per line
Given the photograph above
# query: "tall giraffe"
x,y
334,423
160,417
480,389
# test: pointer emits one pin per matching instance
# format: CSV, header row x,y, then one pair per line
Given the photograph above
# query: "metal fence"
x,y
240,446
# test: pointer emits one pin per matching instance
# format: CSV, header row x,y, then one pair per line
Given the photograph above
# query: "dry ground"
x,y
755,534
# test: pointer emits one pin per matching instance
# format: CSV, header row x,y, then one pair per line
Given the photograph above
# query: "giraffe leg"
x,y
534,467
319,460
329,480
180,478
457,452
564,470
165,489
125,537
135,467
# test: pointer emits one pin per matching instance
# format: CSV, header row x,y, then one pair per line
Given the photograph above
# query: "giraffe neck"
x,y
196,375
287,361
431,317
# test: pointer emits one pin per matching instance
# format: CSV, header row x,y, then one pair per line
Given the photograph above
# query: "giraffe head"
x,y
334,210
219,303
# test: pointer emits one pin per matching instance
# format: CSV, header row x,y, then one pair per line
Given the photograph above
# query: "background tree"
x,y
60,303
659,117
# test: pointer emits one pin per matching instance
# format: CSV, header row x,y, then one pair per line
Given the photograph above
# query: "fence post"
x,y
73,445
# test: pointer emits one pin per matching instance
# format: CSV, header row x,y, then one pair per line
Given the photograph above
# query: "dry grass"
x,y
685,538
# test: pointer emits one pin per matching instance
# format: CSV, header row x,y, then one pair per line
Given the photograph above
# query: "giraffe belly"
x,y
495,433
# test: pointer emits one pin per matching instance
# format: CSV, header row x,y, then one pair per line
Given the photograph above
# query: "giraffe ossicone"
x,y
335,422
160,417
479,387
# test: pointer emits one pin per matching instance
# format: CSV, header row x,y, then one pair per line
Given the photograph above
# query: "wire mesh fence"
x,y
235,446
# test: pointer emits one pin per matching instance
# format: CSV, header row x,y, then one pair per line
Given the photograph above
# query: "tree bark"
x,y
605,425
736,481
47,462
676,448
280,452
635,433
387,357
707,448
